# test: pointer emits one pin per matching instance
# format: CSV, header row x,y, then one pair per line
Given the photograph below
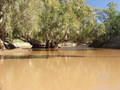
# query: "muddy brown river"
x,y
63,69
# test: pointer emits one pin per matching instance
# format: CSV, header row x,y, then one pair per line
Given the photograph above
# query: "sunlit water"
x,y
64,69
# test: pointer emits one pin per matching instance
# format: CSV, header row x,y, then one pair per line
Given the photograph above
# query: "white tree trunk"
x,y
2,46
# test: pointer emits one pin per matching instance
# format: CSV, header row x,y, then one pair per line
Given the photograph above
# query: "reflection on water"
x,y
60,69
35,57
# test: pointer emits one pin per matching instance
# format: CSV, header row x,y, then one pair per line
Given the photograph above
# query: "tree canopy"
x,y
50,22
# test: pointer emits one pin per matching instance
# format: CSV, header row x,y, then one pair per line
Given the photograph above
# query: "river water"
x,y
62,69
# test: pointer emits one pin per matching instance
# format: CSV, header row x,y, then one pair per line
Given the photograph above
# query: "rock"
x,y
9,46
67,44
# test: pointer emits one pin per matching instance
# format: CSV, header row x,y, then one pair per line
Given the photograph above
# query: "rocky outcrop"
x,y
9,45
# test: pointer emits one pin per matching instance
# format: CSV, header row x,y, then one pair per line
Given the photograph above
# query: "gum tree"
x,y
4,37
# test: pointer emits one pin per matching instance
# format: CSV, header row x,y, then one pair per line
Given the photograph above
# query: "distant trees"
x,y
110,19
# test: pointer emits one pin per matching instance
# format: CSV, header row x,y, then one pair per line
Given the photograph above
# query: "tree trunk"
x,y
35,43
51,44
2,46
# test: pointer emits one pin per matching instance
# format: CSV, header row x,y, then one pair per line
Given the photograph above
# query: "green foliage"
x,y
109,27
4,18
51,21
72,21
54,21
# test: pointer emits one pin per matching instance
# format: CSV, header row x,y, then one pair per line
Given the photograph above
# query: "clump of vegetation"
x,y
46,23
51,22
4,21
68,21
109,19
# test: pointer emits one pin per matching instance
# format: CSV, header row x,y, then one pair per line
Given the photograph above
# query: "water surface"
x,y
63,69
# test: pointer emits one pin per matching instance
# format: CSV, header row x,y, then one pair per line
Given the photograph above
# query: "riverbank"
x,y
66,45
27,45
113,43
69,45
